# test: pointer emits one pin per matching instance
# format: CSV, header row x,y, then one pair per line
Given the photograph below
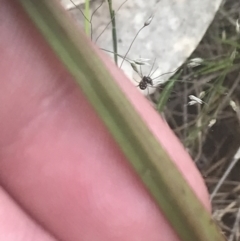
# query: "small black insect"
x,y
148,81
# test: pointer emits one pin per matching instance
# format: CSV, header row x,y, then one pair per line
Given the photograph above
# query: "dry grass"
x,y
216,148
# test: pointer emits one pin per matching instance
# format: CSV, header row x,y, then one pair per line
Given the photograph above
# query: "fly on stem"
x,y
146,80
153,79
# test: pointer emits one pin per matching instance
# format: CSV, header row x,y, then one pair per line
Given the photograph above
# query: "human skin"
x,y
62,176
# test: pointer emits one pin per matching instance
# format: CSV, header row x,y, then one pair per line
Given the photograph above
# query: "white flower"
x,y
212,122
233,105
237,26
195,62
196,100
148,21
233,54
141,61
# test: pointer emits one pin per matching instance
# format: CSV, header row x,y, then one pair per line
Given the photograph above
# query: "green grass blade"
x,y
114,32
87,24
173,195
166,92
